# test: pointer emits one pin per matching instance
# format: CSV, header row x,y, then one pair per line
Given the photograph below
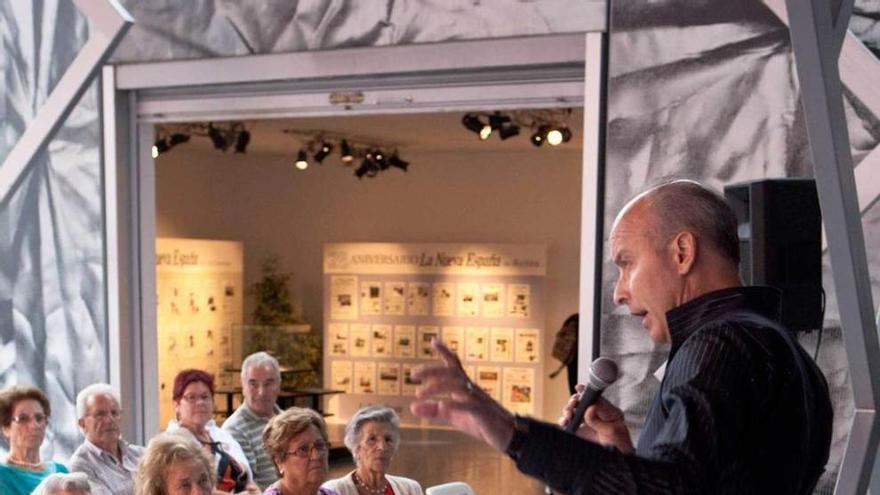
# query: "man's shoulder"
x,y
237,419
82,458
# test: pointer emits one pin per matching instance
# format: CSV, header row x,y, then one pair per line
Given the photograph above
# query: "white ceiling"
x,y
431,132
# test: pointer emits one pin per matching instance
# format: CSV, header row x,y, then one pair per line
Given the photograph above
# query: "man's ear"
x,y
684,252
82,423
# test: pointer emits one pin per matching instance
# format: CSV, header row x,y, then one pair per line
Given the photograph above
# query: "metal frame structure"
x,y
109,22
528,72
817,36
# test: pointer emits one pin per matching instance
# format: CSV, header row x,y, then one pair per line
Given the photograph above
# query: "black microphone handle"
x,y
587,399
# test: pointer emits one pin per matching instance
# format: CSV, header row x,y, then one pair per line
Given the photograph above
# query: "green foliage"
x,y
279,331
272,296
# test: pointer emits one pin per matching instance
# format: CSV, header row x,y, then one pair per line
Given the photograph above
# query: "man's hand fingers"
x,y
442,380
448,357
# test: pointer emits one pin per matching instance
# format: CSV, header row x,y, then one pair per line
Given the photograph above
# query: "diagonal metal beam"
x,y
109,22
841,25
821,95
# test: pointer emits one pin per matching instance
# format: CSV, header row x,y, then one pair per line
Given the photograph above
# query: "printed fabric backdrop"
x,y
52,305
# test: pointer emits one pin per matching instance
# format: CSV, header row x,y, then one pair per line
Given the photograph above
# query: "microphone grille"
x,y
603,372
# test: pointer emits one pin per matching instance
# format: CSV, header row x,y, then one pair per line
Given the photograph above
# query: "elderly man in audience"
x,y
173,464
24,416
373,435
260,383
64,484
107,460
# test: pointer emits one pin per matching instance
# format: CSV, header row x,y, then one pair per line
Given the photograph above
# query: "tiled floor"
x,y
433,457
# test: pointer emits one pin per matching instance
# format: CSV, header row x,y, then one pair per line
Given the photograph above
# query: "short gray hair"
x,y
259,359
59,482
364,415
82,398
679,205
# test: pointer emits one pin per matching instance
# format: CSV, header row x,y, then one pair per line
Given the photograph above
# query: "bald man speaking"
x,y
741,408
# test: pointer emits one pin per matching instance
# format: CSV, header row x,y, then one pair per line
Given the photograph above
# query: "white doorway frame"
x,y
527,72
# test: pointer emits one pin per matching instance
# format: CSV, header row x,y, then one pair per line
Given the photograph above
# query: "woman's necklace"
x,y
33,466
373,491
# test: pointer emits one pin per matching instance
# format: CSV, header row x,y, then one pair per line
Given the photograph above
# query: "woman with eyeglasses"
x,y
373,435
194,407
24,415
296,440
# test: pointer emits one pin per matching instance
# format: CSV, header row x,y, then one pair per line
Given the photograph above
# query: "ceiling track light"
x,y
302,160
223,135
374,156
547,125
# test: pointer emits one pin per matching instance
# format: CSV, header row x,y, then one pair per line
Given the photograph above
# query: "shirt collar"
x,y
686,319
256,417
103,453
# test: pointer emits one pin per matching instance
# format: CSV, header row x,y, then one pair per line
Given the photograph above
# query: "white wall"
x,y
515,196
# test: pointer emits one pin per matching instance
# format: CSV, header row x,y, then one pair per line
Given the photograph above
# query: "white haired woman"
x,y
373,435
64,484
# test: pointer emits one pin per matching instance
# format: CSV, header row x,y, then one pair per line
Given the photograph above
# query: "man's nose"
x,y
621,295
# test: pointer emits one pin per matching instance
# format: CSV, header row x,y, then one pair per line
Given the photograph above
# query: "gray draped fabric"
x,y
52,306
169,29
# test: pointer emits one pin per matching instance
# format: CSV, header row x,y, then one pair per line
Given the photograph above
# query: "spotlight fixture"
x,y
178,138
160,146
539,136
472,123
497,120
241,143
302,160
395,161
547,125
217,138
221,134
508,131
322,153
345,152
373,156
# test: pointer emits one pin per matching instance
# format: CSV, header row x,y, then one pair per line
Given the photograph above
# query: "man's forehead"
x,y
103,398
258,369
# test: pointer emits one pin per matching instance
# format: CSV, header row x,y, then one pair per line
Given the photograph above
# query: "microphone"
x,y
603,372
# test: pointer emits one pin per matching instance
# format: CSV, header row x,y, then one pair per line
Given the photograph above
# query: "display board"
x,y
383,303
199,285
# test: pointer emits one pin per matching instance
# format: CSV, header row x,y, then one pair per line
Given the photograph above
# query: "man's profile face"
x,y
260,388
101,422
647,282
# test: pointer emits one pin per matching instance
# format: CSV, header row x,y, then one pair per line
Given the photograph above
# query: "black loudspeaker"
x,y
780,240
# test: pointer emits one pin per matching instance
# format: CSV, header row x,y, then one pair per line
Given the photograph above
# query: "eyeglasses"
x,y
305,451
23,419
197,397
102,415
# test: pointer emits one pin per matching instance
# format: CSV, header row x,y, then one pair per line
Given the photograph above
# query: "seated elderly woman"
x,y
173,464
296,440
194,407
64,484
24,415
372,435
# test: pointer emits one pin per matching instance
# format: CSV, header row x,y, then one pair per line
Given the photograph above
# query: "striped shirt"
x,y
106,474
247,428
741,409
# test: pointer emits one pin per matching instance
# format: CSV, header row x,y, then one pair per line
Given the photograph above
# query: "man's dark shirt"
x,y
741,409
